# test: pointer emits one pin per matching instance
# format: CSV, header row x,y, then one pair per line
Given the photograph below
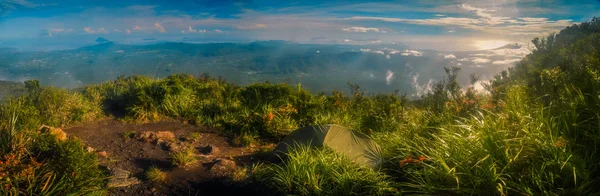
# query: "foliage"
x,y
34,164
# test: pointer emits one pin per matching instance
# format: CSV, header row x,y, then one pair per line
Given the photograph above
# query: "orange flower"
x,y
270,117
408,160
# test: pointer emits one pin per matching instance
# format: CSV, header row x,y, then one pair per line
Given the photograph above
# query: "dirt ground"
x,y
137,156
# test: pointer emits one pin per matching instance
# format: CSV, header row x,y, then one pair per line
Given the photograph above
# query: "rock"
x,y
210,149
103,154
205,158
156,138
90,149
120,178
165,135
158,141
58,132
223,167
146,136
172,146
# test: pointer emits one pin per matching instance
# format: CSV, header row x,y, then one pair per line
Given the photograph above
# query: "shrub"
x,y
33,164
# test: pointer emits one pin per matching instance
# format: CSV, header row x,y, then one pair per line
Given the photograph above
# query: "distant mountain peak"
x,y
101,40
510,46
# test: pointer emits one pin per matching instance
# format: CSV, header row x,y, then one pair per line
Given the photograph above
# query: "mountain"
x,y
510,46
377,68
101,40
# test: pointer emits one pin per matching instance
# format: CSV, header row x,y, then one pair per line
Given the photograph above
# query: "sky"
x,y
450,25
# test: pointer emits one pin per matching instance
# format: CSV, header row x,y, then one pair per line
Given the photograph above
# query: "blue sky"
x,y
427,24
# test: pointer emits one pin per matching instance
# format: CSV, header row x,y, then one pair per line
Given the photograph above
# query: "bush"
x,y
33,164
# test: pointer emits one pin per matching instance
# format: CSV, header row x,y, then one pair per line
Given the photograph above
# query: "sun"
x,y
489,44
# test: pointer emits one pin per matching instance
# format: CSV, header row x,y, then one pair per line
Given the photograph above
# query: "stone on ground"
x,y
173,146
156,137
223,167
103,154
58,132
120,178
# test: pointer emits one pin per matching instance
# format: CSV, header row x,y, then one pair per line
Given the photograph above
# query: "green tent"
x,y
357,146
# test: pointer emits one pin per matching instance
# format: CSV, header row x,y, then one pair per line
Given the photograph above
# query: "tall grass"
x,y
309,171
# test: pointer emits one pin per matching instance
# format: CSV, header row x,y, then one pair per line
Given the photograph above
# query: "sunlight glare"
x,y
489,44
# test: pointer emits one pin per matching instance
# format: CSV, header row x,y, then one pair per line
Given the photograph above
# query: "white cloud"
x,y
387,56
411,53
89,30
252,26
127,31
449,56
451,31
378,52
480,60
218,31
362,29
519,52
92,31
388,77
485,20
137,28
159,27
191,30
508,61
347,40
420,89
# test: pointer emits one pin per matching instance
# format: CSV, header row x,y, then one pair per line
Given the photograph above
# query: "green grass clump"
x,y
34,164
129,134
184,157
320,172
194,136
156,175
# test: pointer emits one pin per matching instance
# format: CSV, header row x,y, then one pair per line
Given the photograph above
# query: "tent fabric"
x,y
355,145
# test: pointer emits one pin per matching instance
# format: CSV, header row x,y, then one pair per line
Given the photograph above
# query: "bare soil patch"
x,y
136,156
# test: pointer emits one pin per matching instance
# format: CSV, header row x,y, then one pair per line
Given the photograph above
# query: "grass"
x,y
156,175
129,134
321,172
184,157
194,136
